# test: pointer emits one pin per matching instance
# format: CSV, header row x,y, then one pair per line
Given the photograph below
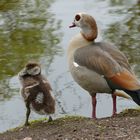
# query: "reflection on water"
x,y
121,2
126,33
9,5
27,32
30,30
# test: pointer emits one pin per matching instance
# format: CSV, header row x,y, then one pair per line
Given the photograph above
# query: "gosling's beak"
x,y
23,72
73,25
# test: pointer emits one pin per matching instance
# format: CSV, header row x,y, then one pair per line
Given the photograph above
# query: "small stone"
x,y
60,135
20,129
27,138
97,134
74,130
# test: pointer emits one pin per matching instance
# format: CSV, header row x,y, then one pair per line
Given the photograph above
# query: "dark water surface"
x,y
38,30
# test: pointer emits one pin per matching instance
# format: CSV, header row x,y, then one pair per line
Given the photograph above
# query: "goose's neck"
x,y
77,41
89,33
88,37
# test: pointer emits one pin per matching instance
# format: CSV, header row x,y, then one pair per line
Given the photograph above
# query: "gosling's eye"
x,y
77,17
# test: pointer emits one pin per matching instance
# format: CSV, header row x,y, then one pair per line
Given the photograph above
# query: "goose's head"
x,y
31,69
87,24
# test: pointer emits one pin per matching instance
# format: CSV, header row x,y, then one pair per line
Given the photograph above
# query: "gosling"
x,y
36,91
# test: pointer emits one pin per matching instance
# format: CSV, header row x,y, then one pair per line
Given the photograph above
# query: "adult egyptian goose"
x,y
36,91
99,67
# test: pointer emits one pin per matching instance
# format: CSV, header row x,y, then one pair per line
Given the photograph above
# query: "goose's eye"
x,y
77,17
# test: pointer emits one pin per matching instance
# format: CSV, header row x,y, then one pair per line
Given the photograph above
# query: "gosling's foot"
x,y
26,124
50,119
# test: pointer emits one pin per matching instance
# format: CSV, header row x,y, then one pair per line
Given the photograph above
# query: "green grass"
x,y
130,112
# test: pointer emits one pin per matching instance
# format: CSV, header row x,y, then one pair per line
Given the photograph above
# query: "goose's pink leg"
x,y
94,102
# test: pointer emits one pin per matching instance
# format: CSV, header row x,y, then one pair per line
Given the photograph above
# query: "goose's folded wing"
x,y
116,54
102,62
96,59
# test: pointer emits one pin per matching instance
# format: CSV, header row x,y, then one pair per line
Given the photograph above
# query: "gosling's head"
x,y
31,69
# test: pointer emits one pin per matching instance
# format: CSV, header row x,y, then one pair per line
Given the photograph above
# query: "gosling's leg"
x,y
27,113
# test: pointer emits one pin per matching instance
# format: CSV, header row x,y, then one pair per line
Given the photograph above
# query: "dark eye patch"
x,y
77,17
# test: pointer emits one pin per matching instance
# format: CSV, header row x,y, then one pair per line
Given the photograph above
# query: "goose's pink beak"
x,y
73,25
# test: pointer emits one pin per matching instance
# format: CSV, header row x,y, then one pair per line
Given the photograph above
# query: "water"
x,y
38,30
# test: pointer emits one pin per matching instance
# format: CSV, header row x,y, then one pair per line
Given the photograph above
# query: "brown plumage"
x,y
36,91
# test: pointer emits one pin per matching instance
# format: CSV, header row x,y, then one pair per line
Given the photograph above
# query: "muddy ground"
x,y
124,126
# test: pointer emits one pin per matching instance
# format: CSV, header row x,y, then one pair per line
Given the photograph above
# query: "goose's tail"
x,y
121,93
135,95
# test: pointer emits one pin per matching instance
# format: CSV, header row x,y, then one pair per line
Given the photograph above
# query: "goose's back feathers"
x,y
103,58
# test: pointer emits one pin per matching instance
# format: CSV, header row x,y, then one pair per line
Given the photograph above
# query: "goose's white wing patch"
x,y
75,64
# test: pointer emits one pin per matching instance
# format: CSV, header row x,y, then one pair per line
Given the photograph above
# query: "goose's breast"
x,y
89,80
